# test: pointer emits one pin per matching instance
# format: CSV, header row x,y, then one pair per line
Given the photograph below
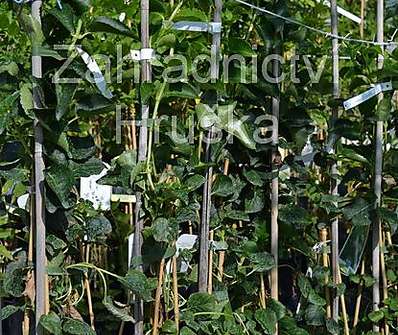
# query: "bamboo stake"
x,y
175,293
210,279
158,297
334,182
362,24
40,228
88,289
262,291
142,155
325,263
378,177
384,277
343,308
221,256
358,301
275,191
206,203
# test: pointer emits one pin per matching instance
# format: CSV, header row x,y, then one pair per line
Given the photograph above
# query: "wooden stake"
x,y
384,278
40,228
334,171
175,293
263,300
275,191
359,300
378,177
206,202
325,264
362,24
158,297
142,155
210,279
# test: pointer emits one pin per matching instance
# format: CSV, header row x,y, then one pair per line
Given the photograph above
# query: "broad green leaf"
x,y
65,93
164,230
98,228
240,47
65,16
262,261
315,315
194,182
201,303
109,25
253,177
234,126
60,179
222,186
376,316
52,323
267,320
137,282
77,327
120,313
9,310
26,99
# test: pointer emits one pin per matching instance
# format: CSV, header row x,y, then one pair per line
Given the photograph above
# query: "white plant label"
x,y
99,195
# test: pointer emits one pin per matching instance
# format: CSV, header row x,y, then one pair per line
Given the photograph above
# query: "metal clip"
x,y
143,54
369,94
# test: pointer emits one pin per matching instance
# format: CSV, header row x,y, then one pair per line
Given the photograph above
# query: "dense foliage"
x,y
89,245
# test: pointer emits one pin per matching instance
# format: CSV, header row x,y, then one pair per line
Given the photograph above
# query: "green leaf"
x,y
137,282
194,182
240,46
11,68
60,179
267,320
255,204
65,94
333,327
234,126
316,299
120,313
222,186
77,327
51,323
201,303
65,16
98,228
278,308
9,310
304,285
109,25
253,177
163,230
376,316
262,261
26,99
314,315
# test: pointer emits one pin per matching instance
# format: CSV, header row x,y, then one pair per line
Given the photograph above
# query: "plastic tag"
x,y
99,195
211,27
143,54
377,89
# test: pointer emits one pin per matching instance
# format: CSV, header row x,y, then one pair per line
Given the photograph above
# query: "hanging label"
x,y
377,89
99,195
